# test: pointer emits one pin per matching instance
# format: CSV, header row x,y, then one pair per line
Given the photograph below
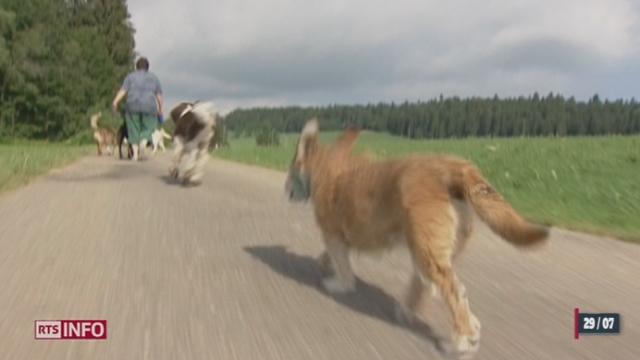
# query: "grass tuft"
x,y
20,162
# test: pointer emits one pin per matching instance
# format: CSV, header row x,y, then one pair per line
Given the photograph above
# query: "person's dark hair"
x,y
142,64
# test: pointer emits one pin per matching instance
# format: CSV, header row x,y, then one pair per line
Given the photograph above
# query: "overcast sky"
x,y
242,53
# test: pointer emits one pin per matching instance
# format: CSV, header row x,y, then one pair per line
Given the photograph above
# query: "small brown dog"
x,y
423,202
195,126
105,138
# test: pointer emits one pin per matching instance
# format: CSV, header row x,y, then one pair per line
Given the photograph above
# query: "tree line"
x,y
535,115
59,61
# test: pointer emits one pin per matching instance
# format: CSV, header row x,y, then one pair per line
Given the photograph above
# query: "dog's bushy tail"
x,y
94,121
164,134
495,211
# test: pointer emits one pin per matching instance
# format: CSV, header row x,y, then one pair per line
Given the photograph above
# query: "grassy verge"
x,y
21,162
590,184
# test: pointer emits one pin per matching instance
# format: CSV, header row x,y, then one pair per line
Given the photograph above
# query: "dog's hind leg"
x,y
98,138
187,165
431,237
419,288
177,157
343,280
198,170
465,225
120,149
119,139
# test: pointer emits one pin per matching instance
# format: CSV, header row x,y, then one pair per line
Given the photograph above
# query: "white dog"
x,y
157,139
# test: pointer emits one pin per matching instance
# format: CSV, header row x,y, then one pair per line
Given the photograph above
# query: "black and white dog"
x,y
123,139
195,125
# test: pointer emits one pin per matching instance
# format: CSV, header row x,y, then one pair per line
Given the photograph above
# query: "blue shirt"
x,y
142,87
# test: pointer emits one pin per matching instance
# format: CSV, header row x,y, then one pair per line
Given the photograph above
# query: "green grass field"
x,y
590,184
23,161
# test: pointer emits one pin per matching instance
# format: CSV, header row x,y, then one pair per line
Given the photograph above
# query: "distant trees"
x,y
267,136
62,59
551,115
220,135
58,59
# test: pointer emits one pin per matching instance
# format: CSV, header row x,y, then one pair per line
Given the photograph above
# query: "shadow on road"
x,y
175,182
168,180
118,171
368,299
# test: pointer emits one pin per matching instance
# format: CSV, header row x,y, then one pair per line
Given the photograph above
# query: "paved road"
x,y
226,271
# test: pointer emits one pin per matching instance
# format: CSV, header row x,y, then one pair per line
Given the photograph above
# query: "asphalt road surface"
x,y
227,271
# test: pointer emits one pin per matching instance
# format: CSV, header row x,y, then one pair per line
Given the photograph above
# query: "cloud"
x,y
253,52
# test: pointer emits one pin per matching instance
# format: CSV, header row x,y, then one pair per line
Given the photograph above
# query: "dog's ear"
x,y
180,110
311,128
308,139
348,139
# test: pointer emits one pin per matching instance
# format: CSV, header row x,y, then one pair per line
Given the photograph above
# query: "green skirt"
x,y
140,126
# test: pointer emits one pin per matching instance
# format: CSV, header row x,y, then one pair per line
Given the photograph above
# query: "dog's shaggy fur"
x,y
426,202
105,138
195,126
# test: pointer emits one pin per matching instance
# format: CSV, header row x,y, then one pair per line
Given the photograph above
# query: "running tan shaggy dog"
x,y
105,138
426,202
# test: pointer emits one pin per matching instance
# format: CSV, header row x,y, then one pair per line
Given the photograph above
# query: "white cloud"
x,y
248,52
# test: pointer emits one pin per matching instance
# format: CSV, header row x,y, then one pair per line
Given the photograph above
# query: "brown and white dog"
x,y
195,126
423,202
105,138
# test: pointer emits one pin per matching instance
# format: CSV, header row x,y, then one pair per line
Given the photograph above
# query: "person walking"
x,y
144,105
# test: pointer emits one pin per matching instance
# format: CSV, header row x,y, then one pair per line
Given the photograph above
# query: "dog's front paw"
x,y
324,261
475,325
173,172
190,182
338,286
466,346
196,178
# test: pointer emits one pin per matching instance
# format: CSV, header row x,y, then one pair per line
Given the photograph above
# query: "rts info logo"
x,y
70,329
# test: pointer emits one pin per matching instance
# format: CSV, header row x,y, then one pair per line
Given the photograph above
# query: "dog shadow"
x,y
367,299
170,180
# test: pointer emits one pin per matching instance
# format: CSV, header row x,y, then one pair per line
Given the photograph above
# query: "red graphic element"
x,y
70,329
576,323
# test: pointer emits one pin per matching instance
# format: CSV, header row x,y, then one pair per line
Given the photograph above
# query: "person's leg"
x,y
133,129
148,124
143,147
